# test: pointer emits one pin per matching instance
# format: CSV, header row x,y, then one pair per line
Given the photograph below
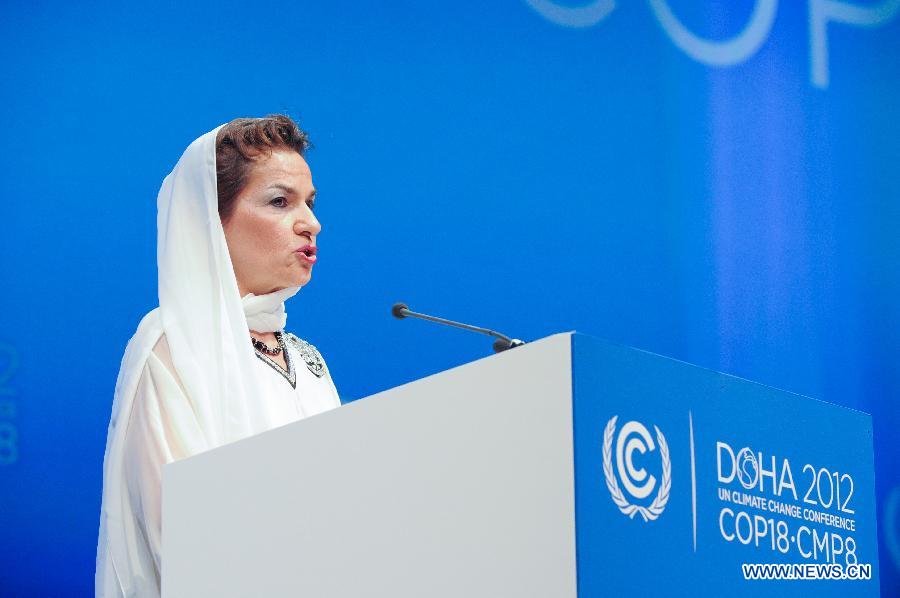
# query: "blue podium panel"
x,y
686,479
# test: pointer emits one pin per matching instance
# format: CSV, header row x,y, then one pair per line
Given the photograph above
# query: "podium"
x,y
566,467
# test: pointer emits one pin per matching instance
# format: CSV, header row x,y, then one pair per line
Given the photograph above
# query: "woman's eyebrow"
x,y
286,188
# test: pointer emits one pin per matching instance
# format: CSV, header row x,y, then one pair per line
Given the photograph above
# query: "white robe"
x,y
163,428
200,388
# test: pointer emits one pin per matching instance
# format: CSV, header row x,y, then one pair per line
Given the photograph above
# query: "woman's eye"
x,y
279,202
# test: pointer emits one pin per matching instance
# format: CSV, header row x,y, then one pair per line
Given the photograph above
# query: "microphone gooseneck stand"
x,y
502,342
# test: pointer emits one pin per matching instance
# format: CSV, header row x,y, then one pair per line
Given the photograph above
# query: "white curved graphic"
x,y
821,12
627,471
625,461
719,53
573,16
746,468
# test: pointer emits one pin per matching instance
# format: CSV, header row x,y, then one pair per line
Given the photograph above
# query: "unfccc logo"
x,y
634,437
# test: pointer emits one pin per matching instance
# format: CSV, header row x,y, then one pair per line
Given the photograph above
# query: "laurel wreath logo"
x,y
662,497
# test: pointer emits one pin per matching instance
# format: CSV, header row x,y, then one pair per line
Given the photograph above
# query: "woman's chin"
x,y
301,280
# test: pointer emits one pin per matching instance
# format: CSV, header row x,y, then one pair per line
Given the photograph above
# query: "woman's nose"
x,y
307,223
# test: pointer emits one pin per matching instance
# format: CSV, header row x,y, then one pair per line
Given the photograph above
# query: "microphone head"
x,y
500,345
397,310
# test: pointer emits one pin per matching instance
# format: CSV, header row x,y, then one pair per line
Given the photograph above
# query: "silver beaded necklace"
x,y
264,348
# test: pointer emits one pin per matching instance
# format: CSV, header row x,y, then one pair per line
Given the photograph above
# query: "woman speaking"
x,y
237,236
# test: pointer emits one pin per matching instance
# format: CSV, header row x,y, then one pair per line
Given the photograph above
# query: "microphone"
x,y
503,342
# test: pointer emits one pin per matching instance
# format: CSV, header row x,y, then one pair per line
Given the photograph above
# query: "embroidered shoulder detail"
x,y
308,353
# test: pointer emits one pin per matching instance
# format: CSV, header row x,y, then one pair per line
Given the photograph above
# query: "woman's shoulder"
x,y
160,364
162,352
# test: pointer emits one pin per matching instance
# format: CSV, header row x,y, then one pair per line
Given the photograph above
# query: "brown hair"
x,y
243,140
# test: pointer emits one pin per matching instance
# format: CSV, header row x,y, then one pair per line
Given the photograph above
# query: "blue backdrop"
x,y
714,181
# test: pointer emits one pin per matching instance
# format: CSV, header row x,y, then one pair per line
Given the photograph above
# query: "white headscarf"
x,y
205,322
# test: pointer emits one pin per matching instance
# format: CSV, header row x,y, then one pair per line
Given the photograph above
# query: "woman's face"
x,y
271,233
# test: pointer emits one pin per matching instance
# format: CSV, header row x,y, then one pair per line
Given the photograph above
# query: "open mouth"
x,y
308,253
